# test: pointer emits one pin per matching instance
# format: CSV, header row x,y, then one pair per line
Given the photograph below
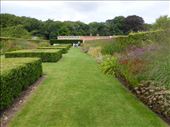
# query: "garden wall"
x,y
55,41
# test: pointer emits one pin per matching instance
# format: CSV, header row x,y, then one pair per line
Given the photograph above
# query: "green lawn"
x,y
77,94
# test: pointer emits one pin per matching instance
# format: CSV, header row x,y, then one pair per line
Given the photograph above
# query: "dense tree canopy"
x,y
15,31
51,29
134,23
116,25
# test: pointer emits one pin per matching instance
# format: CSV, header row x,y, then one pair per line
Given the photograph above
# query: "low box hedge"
x,y
56,41
16,75
47,55
64,48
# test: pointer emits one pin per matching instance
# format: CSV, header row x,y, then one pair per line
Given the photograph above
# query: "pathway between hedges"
x,y
77,94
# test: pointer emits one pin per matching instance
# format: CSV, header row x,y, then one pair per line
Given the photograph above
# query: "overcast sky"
x,y
86,11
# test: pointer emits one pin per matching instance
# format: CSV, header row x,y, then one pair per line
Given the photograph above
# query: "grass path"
x,y
76,94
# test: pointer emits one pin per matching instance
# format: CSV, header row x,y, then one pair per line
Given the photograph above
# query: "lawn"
x,y
76,93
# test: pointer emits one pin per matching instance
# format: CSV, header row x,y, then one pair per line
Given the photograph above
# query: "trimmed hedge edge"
x,y
13,81
45,56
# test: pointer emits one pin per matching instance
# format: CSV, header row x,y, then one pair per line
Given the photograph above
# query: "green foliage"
x,y
109,65
98,29
124,73
50,29
76,94
64,48
158,68
12,44
163,22
152,65
116,25
16,75
55,41
45,55
160,72
121,43
147,27
15,31
133,23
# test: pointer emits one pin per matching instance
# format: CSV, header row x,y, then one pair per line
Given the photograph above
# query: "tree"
x,y
116,25
31,24
15,31
51,29
147,27
163,22
8,20
64,30
98,28
133,23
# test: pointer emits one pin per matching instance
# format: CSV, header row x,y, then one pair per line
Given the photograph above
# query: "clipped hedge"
x,y
64,48
45,55
121,43
16,75
55,41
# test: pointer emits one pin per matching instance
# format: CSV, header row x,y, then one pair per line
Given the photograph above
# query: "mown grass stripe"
x,y
77,94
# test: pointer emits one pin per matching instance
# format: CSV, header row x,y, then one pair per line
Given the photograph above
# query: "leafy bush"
x,y
55,41
109,65
46,55
16,75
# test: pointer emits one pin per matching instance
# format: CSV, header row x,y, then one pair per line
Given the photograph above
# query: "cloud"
x,y
86,11
83,7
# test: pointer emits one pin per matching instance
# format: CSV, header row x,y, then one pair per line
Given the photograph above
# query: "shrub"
x,y
55,41
64,48
16,75
109,65
46,55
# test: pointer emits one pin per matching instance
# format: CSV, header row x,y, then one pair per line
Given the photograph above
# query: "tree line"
x,y
16,26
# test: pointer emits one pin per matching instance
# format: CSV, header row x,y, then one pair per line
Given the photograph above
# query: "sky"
x,y
86,11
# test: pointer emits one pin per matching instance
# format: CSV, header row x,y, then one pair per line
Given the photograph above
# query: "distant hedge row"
x,y
64,48
120,43
55,41
21,39
16,75
13,44
45,55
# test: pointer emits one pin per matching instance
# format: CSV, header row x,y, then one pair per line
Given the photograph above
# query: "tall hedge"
x,y
55,41
121,43
45,55
16,75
